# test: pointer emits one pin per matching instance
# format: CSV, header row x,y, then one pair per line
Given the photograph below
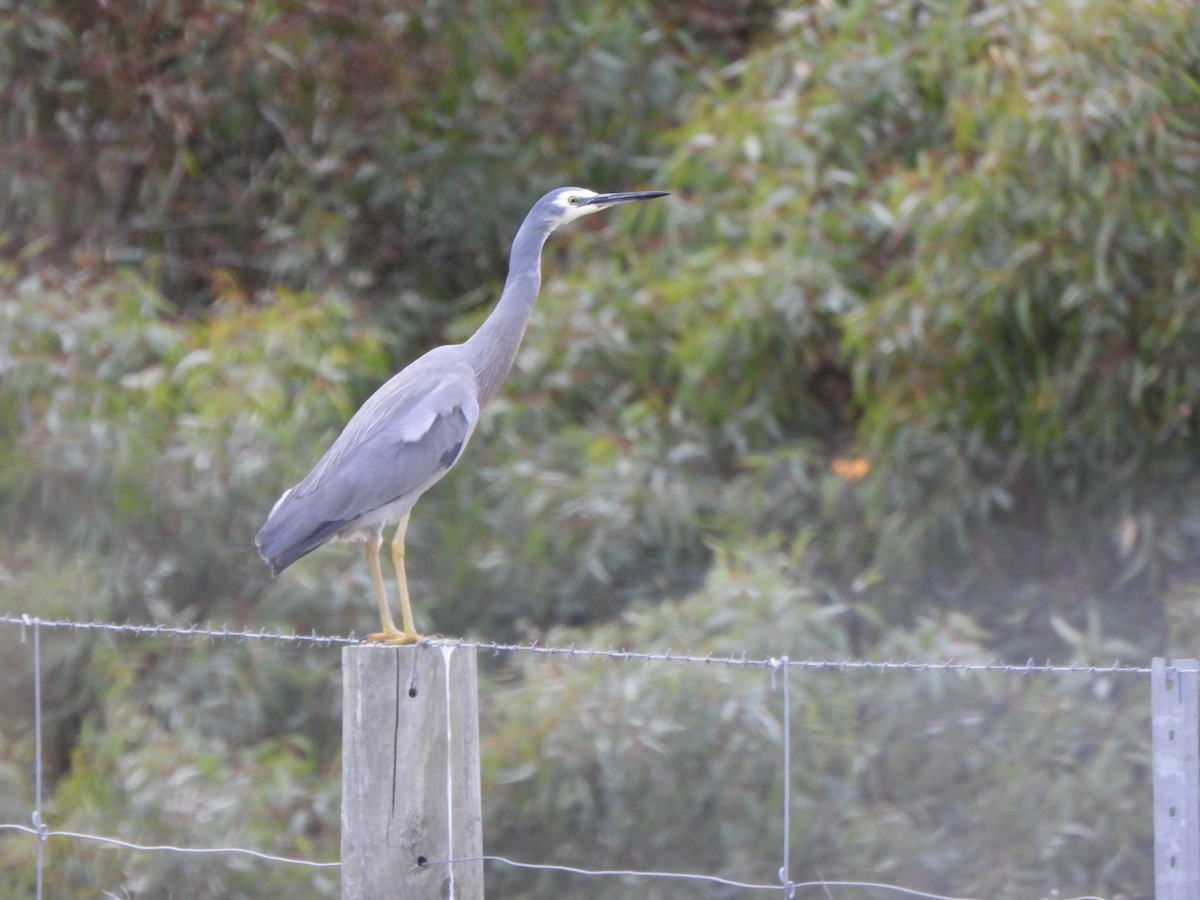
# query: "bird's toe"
x,y
394,637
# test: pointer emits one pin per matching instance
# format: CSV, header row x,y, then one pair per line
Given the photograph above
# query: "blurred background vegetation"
x,y
906,367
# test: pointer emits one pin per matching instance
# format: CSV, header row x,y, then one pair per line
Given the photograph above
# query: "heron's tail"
x,y
290,534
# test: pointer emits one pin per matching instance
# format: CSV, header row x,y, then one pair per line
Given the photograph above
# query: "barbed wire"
x,y
572,651
773,664
155,629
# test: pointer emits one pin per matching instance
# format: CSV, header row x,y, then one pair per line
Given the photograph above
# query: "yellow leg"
x,y
410,629
390,632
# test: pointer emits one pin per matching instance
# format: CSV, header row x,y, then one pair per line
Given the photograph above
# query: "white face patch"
x,y
569,202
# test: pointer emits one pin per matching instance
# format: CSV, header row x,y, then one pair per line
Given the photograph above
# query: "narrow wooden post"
x,y
410,774
1175,775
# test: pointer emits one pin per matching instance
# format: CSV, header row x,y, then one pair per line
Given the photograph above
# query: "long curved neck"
x,y
492,349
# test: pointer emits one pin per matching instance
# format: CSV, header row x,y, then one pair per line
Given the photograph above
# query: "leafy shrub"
x,y
918,320
1027,375
147,440
953,246
961,784
170,760
387,148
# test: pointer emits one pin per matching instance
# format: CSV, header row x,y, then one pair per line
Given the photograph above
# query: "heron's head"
x,y
565,204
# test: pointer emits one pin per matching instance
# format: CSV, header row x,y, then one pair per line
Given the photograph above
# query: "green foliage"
x,y
147,439
301,142
904,368
167,759
1030,368
139,452
976,785
952,244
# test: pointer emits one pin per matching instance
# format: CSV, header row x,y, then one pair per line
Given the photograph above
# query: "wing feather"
x,y
403,440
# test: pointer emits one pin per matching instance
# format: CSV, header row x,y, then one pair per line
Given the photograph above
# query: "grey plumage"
x,y
413,430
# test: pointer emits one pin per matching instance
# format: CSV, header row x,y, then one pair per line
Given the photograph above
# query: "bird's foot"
x,y
394,637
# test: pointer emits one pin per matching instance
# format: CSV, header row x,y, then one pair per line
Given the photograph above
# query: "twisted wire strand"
x,y
43,833
575,652
710,879
772,664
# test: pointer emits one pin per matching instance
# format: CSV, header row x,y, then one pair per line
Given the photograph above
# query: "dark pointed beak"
x,y
609,199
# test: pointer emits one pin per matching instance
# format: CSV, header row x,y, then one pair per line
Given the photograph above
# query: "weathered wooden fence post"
x,y
410,774
1175,764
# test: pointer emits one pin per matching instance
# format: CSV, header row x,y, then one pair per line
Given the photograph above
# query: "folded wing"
x,y
400,443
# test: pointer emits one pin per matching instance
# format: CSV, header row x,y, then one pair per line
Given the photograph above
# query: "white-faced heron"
x,y
412,430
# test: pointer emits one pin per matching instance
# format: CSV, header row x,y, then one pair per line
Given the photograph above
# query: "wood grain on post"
x,y
1175,777
410,774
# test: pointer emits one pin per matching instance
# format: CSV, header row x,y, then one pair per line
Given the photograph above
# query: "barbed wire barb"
x,y
736,660
777,667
